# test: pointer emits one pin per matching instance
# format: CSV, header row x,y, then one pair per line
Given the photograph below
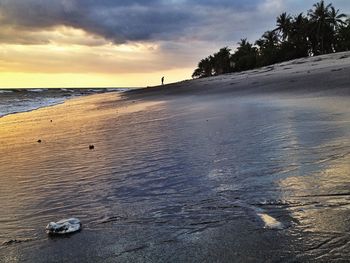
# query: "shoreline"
x,y
35,109
42,98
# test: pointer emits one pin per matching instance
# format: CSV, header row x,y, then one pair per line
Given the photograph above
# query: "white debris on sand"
x,y
270,222
64,226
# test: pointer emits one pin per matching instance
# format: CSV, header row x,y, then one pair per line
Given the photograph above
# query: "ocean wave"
x,y
36,90
67,90
7,108
118,89
5,91
23,100
96,90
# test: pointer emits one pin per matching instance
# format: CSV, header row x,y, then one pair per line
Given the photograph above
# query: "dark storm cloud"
x,y
147,20
120,21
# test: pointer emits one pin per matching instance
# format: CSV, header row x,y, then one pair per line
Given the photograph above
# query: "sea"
x,y
22,100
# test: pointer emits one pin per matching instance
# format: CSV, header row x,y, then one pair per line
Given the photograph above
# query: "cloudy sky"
x,y
67,43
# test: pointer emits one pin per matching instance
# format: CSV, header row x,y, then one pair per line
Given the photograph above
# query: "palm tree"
x,y
245,56
204,69
268,48
299,36
270,39
222,61
283,25
342,42
319,16
336,19
323,30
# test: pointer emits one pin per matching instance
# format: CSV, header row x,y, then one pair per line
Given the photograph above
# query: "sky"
x,y
125,43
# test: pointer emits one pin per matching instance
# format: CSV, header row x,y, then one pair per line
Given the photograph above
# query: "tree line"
x,y
323,30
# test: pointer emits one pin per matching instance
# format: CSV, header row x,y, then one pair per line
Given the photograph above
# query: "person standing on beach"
x,y
162,80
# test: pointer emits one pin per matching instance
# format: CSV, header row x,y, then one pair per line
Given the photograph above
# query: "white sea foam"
x,y
25,100
118,89
5,91
36,90
32,99
67,90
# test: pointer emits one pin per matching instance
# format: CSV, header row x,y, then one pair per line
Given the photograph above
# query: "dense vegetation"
x,y
323,30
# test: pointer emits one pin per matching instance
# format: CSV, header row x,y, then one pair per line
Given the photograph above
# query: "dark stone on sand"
x,y
39,141
91,147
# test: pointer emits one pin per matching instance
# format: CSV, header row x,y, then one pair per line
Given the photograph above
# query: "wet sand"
x,y
245,167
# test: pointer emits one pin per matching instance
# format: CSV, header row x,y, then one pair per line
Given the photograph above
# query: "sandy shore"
x,y
322,75
248,167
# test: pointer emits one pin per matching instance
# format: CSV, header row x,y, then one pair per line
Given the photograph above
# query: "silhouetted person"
x,y
162,80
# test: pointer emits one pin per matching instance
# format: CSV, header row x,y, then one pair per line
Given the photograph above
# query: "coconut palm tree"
x,y
245,56
299,36
204,69
222,61
283,25
268,48
270,39
323,30
336,20
319,16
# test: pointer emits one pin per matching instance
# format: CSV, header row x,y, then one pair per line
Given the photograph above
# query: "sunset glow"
x,y
74,58
126,43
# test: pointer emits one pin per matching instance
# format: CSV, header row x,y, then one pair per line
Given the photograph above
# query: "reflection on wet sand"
x,y
53,177
247,178
316,192
320,205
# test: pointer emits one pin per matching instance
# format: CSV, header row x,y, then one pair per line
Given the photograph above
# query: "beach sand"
x,y
323,75
244,167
